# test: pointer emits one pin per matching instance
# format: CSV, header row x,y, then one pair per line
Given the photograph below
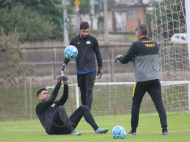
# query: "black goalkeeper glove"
x,y
99,73
62,78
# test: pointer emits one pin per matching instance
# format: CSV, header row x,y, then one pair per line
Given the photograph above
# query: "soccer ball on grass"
x,y
71,52
118,132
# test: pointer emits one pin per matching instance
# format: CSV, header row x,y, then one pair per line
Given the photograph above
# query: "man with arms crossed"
x,y
53,116
144,55
87,45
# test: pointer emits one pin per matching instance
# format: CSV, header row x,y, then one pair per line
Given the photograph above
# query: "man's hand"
x,y
63,67
99,73
62,78
117,57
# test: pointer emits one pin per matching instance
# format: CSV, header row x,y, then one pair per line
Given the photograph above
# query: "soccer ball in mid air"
x,y
71,52
118,132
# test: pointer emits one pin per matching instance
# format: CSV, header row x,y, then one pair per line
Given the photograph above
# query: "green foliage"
x,y
30,25
46,13
12,60
37,19
100,18
72,33
84,6
52,9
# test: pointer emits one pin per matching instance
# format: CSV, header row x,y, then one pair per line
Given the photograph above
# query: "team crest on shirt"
x,y
78,42
88,42
53,105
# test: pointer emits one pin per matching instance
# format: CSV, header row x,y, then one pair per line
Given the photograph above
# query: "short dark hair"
x,y
39,91
84,25
142,29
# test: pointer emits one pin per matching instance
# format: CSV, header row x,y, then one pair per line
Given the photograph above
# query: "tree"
x,y
12,61
51,10
30,25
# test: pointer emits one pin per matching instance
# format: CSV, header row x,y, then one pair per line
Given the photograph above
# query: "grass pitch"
x,y
149,130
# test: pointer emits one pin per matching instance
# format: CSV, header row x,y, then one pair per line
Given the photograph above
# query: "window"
x,y
131,14
183,38
96,2
100,5
177,37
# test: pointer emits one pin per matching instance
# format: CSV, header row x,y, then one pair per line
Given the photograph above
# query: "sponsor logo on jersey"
x,y
150,45
53,105
88,42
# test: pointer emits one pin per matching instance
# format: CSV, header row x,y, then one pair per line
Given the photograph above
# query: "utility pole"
x,y
77,9
66,35
106,32
187,4
92,14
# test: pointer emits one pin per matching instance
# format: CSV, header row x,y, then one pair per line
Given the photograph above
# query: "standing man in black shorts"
x,y
144,55
53,116
87,46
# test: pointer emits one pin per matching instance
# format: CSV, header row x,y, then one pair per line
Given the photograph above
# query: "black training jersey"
x,y
46,110
85,60
144,55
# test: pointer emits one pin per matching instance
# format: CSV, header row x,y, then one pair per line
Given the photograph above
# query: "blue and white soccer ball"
x,y
71,52
118,132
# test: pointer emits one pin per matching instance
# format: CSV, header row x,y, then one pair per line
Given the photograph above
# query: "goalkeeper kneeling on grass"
x,y
53,116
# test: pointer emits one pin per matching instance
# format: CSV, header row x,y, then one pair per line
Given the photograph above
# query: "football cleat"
x,y
165,133
132,133
75,133
101,130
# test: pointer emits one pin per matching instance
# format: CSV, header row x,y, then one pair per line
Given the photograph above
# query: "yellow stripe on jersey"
x,y
73,123
59,126
134,89
147,41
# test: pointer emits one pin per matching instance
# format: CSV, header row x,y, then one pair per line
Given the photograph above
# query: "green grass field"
x,y
149,130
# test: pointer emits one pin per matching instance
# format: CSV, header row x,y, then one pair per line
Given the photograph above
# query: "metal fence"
x,y
115,37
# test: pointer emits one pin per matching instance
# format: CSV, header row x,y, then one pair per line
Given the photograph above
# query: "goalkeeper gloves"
x,y
118,57
99,73
62,78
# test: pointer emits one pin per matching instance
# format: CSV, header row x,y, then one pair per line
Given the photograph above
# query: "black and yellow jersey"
x,y
144,55
87,48
45,110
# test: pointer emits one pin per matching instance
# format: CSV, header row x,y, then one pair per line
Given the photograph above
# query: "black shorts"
x,y
86,79
57,127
